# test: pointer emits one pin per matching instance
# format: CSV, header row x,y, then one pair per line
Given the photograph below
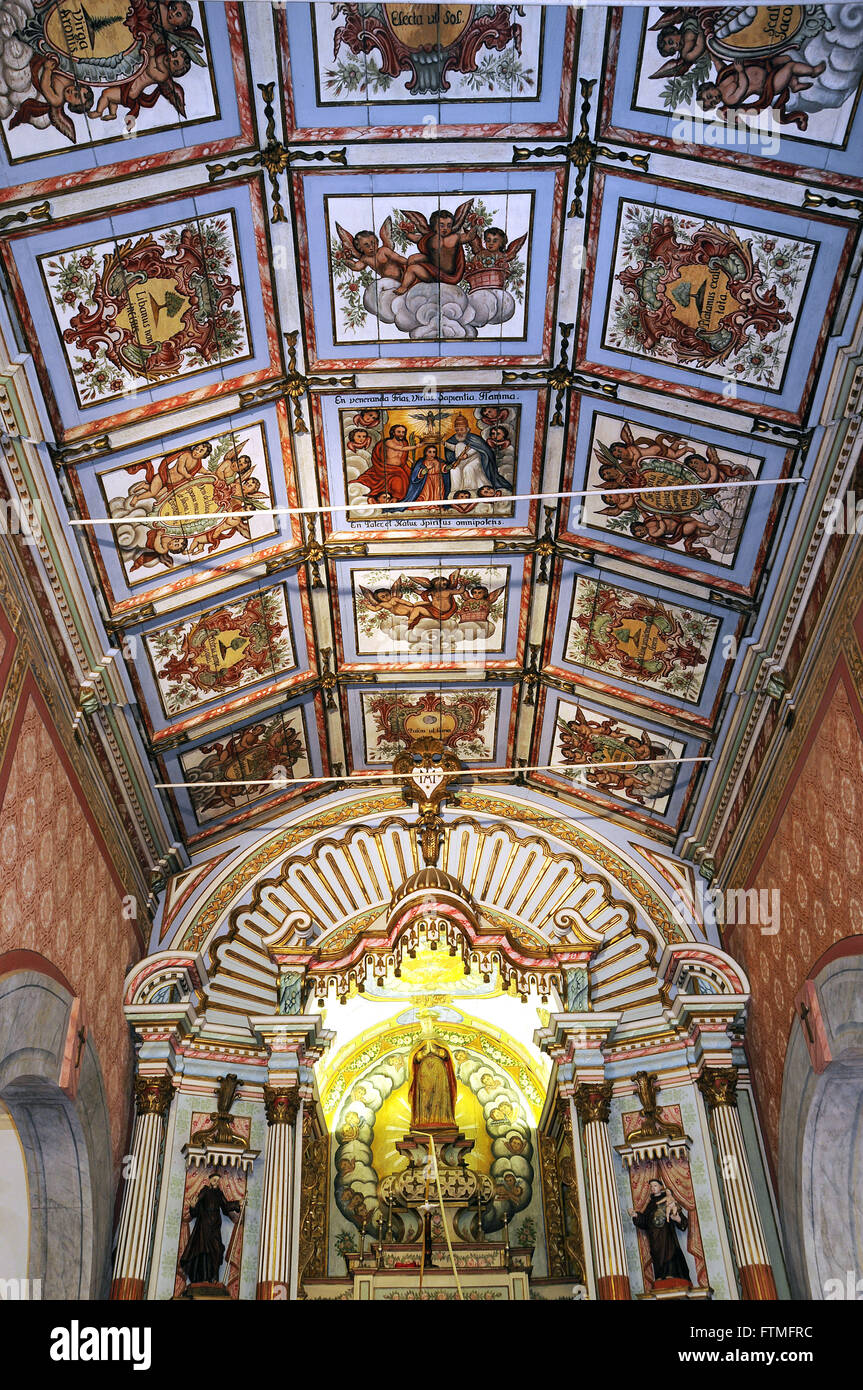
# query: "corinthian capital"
x,y
153,1094
282,1104
593,1102
718,1085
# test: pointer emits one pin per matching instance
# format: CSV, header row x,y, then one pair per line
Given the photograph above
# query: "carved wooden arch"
x,y
294,888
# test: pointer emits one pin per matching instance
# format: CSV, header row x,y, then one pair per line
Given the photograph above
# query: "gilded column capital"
x,y
593,1102
282,1104
153,1094
718,1085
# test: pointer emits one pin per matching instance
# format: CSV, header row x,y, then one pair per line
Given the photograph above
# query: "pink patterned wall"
x,y
59,895
812,855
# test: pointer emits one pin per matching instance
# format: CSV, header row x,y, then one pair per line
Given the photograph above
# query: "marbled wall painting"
x,y
150,309
719,298
683,519
275,747
797,68
640,638
628,757
429,268
464,456
427,613
422,53
84,72
465,721
221,650
173,504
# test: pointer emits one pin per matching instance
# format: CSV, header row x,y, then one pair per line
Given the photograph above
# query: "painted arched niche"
x,y
821,1139
65,1144
497,1104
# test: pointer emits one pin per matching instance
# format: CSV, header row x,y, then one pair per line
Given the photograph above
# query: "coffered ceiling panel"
x,y
418,371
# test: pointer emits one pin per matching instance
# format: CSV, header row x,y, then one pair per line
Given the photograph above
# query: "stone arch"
x,y
820,1167
66,1142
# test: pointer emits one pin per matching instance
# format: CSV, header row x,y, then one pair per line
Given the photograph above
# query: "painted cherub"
x,y
441,240
163,67
175,468
478,603
493,249
365,252
756,85
60,93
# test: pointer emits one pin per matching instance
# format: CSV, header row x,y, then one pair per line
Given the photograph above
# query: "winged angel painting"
x,y
463,280
802,63
86,70
430,611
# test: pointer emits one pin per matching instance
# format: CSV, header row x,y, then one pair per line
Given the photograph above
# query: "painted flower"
x,y
353,287
781,261
86,262
68,297
87,367
116,383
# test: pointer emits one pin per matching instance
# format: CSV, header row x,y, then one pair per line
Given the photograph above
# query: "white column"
x,y
593,1102
274,1260
138,1210
719,1088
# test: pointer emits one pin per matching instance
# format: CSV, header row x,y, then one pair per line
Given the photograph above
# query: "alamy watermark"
x,y
16,1290
752,907
707,123
21,517
844,515
851,1287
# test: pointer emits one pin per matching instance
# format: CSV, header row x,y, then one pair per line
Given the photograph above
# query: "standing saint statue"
x,y
204,1252
432,1089
660,1220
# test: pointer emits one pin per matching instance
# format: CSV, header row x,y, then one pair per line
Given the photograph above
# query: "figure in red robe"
x,y
390,470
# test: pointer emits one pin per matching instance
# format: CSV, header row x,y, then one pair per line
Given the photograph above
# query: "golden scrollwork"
x,y
312,1262
652,1125
427,770
552,1206
572,1236
220,1131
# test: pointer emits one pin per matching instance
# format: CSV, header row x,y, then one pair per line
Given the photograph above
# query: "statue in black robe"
x,y
204,1252
660,1220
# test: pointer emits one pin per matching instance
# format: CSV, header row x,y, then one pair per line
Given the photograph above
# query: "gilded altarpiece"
x,y
563,1234
314,1203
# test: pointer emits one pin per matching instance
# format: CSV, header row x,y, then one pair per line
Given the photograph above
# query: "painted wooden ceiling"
x,y
418,369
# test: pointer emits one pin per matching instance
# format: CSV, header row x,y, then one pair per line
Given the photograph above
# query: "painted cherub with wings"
x,y
441,240
365,252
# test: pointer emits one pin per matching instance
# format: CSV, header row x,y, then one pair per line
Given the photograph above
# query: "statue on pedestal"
x,y
660,1220
433,1089
204,1252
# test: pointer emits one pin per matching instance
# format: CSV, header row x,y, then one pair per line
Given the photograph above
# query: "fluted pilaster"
x,y
719,1088
140,1194
593,1102
274,1261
